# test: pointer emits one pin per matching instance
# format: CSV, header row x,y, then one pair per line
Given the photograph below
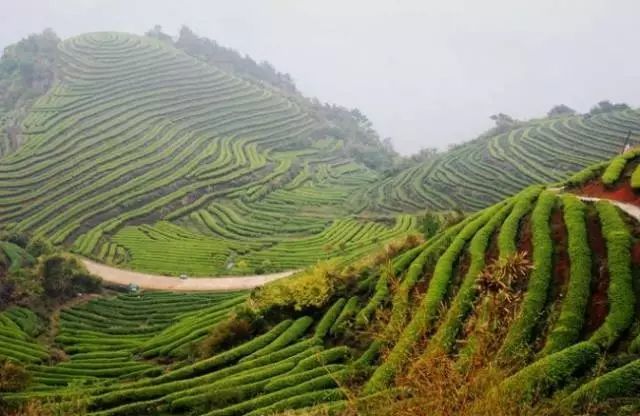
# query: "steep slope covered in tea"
x,y
478,173
541,287
144,156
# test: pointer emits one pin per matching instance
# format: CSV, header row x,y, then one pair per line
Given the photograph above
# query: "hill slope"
x,y
540,288
144,156
483,171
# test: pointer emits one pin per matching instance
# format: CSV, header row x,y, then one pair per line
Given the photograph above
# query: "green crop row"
x,y
620,292
574,306
429,305
535,298
445,337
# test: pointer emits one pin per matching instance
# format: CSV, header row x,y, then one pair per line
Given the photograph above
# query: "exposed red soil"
x,y
635,253
492,251
598,306
622,192
560,255
524,244
459,272
524,237
491,254
560,277
421,287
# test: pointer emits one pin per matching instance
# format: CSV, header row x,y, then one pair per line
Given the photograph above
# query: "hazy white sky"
x,y
427,73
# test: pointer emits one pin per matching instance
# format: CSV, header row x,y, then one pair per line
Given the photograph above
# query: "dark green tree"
x,y
561,110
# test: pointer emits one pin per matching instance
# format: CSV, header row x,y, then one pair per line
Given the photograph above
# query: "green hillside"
x,y
183,157
540,290
483,171
143,156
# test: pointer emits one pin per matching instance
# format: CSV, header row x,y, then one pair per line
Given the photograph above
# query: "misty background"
x,y
426,73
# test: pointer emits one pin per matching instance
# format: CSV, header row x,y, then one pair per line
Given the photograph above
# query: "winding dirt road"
x,y
157,282
227,283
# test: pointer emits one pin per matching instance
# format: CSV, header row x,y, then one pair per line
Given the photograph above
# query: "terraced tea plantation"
x,y
486,170
106,338
551,275
140,149
144,157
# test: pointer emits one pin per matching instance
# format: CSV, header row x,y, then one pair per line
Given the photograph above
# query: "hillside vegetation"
x,y
537,295
146,157
478,173
27,71
180,156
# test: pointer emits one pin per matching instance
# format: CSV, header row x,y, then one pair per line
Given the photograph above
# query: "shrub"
x,y
436,386
225,335
310,289
429,224
19,239
85,283
265,267
242,267
63,276
13,376
370,354
39,246
389,251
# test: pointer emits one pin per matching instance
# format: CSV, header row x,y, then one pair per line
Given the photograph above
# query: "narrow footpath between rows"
x,y
630,209
157,282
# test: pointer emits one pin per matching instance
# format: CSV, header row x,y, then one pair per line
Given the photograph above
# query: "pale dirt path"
x,y
226,283
630,209
150,281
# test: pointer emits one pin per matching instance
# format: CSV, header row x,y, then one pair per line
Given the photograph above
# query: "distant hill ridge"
x,y
483,171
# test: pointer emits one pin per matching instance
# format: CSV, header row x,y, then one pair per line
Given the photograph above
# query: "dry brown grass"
x,y
443,385
73,406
